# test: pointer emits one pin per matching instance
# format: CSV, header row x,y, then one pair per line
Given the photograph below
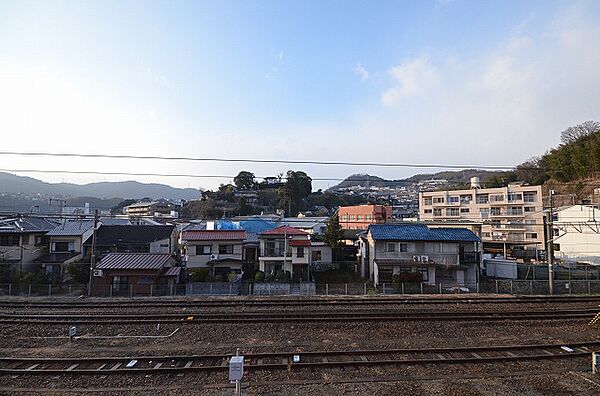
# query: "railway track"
x,y
302,316
302,301
284,360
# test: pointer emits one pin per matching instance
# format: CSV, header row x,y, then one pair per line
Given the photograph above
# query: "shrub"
x,y
232,276
200,275
406,277
259,276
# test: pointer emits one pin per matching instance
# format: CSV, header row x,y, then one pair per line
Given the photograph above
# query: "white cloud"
x,y
411,77
361,72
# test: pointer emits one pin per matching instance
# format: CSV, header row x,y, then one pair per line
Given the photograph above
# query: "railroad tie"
x,y
511,354
32,367
440,356
476,355
157,365
102,366
547,352
364,358
188,364
116,366
71,367
325,360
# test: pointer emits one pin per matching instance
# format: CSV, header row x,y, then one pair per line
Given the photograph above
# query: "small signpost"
x,y
72,332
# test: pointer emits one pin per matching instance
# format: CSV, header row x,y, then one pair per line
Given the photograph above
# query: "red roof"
x,y
284,230
299,242
214,235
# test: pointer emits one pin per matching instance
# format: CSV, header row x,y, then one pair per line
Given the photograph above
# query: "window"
x,y
515,211
497,198
484,213
529,196
452,212
9,240
404,269
496,223
427,201
369,217
495,211
529,209
300,251
531,235
529,221
514,197
464,210
452,199
438,200
120,283
203,249
225,249
39,240
424,274
164,245
390,247
482,199
403,247
437,212
352,217
428,211
465,199
345,217
316,255
63,247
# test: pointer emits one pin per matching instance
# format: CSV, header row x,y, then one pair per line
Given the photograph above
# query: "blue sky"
x,y
458,82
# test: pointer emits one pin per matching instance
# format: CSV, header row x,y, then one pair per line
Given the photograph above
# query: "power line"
x,y
261,161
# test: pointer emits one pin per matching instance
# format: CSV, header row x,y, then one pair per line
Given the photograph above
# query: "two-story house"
x,y
285,248
441,255
66,245
220,250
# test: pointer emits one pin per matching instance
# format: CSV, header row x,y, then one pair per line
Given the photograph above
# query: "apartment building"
x,y
512,217
359,217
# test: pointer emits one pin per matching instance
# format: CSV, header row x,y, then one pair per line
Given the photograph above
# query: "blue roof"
x,y
420,232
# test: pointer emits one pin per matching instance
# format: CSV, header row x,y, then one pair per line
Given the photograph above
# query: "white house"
x,y
577,234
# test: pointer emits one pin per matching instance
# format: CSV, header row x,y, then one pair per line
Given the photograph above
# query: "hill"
x,y
14,184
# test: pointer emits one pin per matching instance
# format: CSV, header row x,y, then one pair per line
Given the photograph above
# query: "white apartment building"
x,y
512,217
577,234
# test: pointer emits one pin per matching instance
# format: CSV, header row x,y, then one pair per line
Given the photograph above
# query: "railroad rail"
x,y
284,360
294,316
284,301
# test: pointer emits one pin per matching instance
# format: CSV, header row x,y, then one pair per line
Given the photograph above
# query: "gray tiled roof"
x,y
134,261
26,224
72,227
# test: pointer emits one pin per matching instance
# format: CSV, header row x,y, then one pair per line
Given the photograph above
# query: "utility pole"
x,y
550,246
93,255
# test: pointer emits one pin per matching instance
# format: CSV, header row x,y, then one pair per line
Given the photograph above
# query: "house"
x,y
440,255
222,251
359,217
154,209
66,245
512,216
133,274
577,234
311,225
22,241
285,248
134,239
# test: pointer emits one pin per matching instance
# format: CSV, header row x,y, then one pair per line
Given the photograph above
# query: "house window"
x,y
424,274
202,250
437,212
390,247
316,255
9,240
514,197
529,209
39,240
120,283
453,199
447,275
403,247
531,235
60,247
404,269
359,217
452,212
497,198
464,210
482,199
438,200
465,199
495,211
428,211
529,196
300,251
427,201
225,249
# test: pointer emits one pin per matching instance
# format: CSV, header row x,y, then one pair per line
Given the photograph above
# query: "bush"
x,y
80,272
259,276
200,275
269,277
34,278
232,276
406,277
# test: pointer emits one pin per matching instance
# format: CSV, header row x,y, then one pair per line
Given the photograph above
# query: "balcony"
x,y
277,253
470,257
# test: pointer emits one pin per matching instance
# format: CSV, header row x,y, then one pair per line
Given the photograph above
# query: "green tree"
x,y
333,235
204,209
295,191
245,180
80,272
243,209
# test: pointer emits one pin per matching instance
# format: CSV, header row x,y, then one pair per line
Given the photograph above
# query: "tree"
x,y
334,234
295,191
80,272
573,133
204,209
243,209
245,180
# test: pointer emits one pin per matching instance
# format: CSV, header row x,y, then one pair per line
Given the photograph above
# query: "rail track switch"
x,y
236,368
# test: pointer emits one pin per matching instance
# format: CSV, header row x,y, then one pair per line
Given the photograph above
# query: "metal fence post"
x,y
70,288
171,289
477,285
249,288
49,289
110,290
29,294
531,287
346,289
131,290
326,289
365,288
10,289
496,286
402,287
151,287
210,289
269,288
440,287
589,287
421,284
230,288
511,286
384,288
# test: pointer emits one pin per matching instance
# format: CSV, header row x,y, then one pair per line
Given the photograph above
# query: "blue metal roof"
x,y
420,232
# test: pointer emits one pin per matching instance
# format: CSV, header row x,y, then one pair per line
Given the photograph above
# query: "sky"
x,y
446,82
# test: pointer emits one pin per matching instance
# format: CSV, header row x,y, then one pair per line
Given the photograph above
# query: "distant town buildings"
x,y
361,216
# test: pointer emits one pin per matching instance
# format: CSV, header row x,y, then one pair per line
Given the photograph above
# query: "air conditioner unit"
x,y
416,258
98,272
214,257
425,259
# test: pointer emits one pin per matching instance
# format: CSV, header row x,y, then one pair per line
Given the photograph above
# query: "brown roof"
x,y
214,235
134,261
173,271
